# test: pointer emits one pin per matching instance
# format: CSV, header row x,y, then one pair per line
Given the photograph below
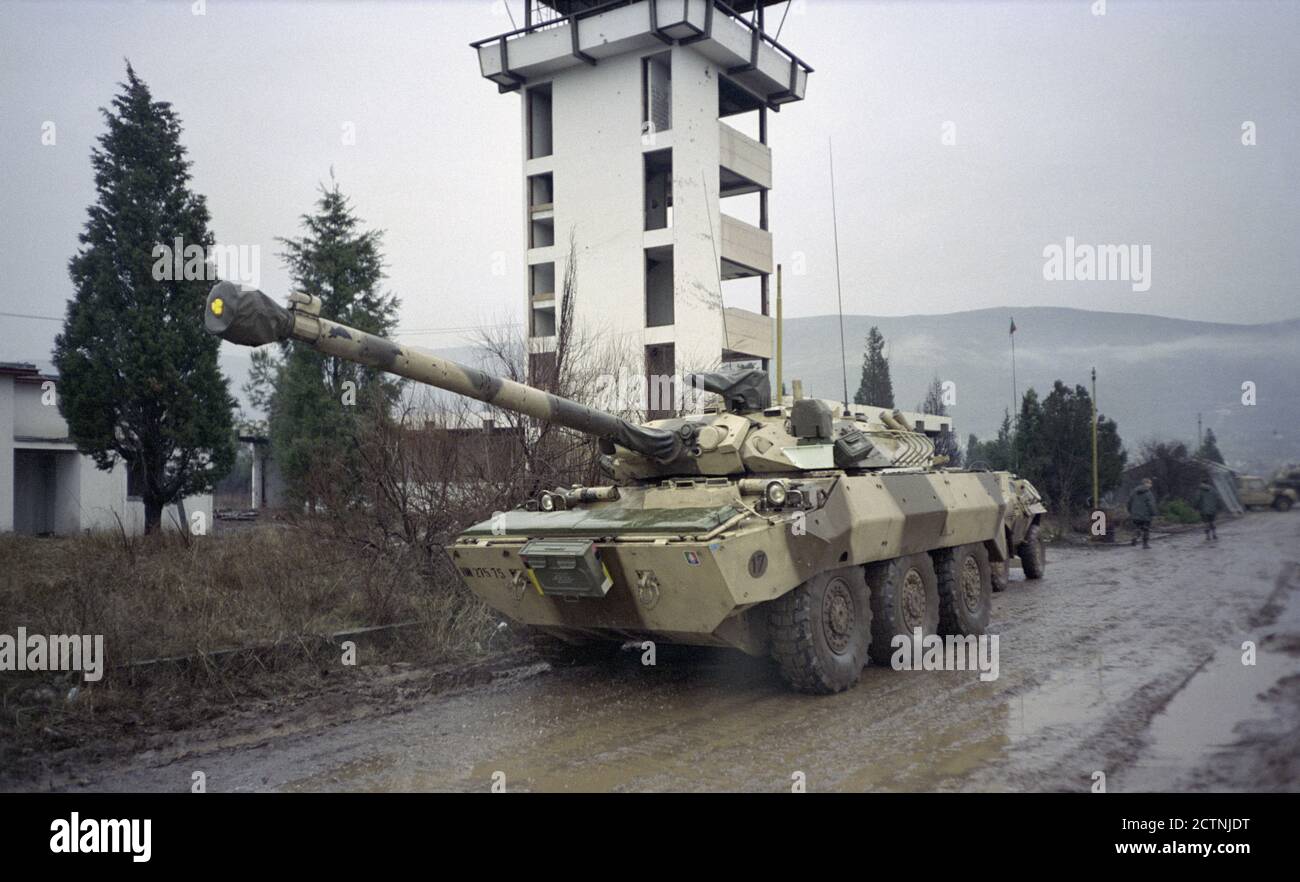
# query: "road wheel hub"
x,y
838,616
913,600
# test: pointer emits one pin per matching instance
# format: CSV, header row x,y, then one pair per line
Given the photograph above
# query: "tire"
x,y
999,574
1282,503
904,596
560,653
1030,552
965,589
821,631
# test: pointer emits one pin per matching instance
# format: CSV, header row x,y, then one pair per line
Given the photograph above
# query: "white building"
x,y
46,486
627,146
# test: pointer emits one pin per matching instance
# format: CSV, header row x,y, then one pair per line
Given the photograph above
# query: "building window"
x,y
544,321
541,278
658,190
659,286
541,294
539,121
656,93
541,211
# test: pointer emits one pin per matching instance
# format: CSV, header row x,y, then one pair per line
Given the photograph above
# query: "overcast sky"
x,y
1124,128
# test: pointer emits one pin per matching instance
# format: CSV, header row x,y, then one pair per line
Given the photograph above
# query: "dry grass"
x,y
169,596
164,597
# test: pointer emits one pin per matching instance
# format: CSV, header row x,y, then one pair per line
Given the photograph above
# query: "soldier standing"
x,y
1142,509
1207,503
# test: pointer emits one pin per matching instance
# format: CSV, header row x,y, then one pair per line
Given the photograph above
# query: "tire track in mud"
x,y
1091,656
1198,626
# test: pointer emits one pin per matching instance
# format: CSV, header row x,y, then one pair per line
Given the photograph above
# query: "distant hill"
x,y
1153,374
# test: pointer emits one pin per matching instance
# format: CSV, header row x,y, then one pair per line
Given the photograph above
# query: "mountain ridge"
x,y
1155,373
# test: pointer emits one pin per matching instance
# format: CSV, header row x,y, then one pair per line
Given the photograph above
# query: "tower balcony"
x,y
757,70
746,250
749,334
745,165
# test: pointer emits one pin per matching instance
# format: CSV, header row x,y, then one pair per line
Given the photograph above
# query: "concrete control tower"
x,y
627,148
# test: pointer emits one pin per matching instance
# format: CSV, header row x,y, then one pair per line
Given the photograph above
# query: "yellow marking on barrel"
x,y
217,306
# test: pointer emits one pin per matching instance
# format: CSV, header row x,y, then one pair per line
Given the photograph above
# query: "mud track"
x,y
1122,661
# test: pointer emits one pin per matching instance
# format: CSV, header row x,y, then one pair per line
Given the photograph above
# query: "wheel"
x,y
820,631
904,597
559,653
1001,576
1032,559
1282,503
965,589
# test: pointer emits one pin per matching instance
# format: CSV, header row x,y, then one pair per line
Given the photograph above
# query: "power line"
x,y
430,330
782,24
24,315
454,330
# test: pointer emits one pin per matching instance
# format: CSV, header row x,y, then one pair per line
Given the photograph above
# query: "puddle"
x,y
1068,698
1200,720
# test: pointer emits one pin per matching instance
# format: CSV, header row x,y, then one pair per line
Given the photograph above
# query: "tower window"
x,y
656,93
659,286
539,121
541,211
541,277
658,189
541,291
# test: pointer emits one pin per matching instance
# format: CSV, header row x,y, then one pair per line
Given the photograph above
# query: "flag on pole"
x,y
1013,325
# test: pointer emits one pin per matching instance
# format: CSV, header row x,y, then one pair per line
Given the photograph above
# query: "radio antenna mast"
x,y
839,296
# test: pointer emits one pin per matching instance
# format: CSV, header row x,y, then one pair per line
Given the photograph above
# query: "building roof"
x,y
24,370
17,367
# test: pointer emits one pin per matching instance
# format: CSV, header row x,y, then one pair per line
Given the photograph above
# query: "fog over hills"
x,y
1154,374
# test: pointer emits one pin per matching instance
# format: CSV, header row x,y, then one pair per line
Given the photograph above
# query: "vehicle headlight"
x,y
547,502
775,494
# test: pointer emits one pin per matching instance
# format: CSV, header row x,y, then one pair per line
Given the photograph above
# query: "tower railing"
x,y
574,17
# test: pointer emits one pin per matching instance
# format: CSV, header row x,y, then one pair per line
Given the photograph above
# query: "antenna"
x,y
839,296
722,306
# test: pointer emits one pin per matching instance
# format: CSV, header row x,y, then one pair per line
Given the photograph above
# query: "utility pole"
x,y
1015,404
839,296
780,385
1096,487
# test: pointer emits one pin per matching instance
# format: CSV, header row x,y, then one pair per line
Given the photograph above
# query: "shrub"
x,y
1178,511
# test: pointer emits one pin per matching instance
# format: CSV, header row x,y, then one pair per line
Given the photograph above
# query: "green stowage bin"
x,y
566,567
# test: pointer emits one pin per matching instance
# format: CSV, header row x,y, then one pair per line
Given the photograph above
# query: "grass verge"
x,y
231,617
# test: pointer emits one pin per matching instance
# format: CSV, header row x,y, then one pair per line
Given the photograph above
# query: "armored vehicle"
x,y
807,530
1288,478
1254,491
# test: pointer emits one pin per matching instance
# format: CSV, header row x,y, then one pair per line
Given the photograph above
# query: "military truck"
x,y
1257,492
809,530
1288,478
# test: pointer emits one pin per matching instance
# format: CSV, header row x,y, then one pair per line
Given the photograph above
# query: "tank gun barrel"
x,y
251,318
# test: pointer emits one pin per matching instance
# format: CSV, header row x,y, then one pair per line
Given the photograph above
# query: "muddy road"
x,y
1122,661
